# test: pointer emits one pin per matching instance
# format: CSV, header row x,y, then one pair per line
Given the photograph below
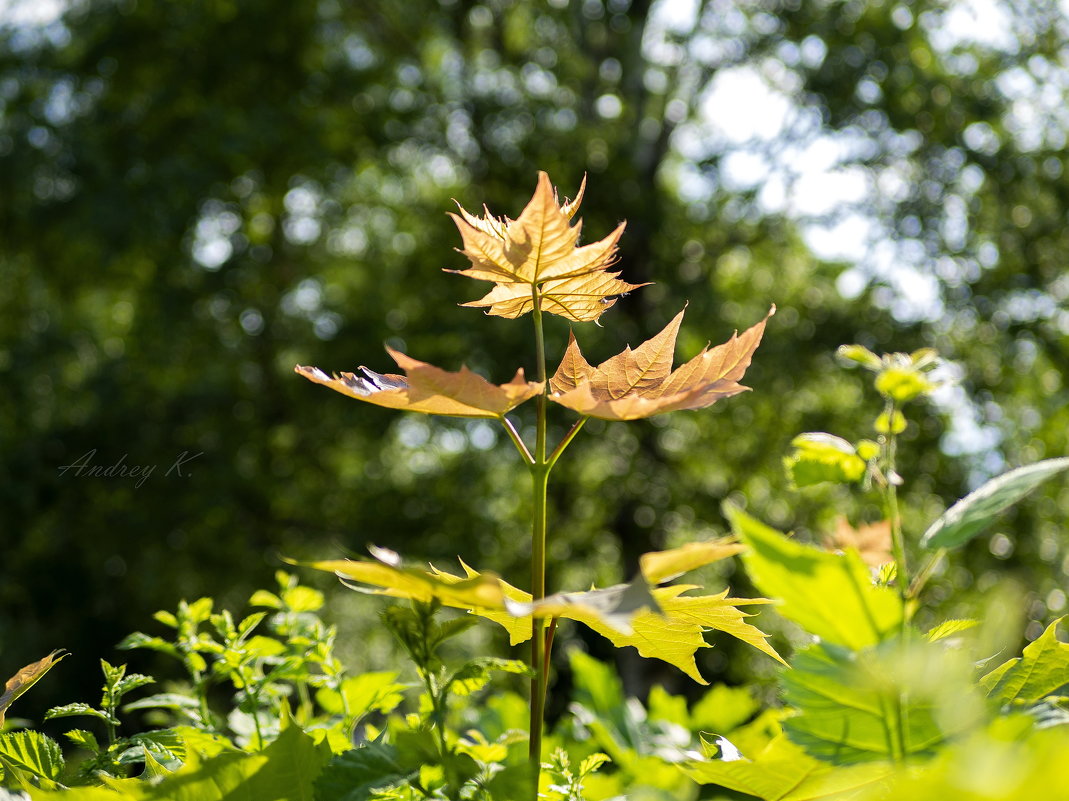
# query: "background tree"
x,y
196,196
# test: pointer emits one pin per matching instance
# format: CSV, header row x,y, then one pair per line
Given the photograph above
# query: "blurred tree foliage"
x,y
197,195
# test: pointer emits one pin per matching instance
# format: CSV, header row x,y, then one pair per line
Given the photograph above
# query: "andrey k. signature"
x,y
87,466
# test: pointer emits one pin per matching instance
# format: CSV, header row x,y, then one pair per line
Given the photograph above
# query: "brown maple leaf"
x,y
538,255
871,541
641,382
429,389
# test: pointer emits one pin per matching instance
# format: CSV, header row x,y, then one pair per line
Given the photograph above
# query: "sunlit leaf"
x,y
829,595
1007,761
977,510
32,752
376,691
661,566
872,541
1042,668
948,628
784,772
582,298
818,457
473,675
489,596
386,576
25,678
641,382
538,254
429,389
903,698
723,708
672,635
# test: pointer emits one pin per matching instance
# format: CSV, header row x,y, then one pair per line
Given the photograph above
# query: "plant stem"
x,y
539,485
898,545
514,435
564,443
925,573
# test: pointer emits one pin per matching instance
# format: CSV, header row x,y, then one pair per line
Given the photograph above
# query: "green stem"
x,y
925,573
898,545
436,711
539,485
514,435
564,443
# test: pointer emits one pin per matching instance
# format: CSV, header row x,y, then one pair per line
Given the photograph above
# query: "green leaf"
x,y
977,510
129,683
166,618
302,599
662,705
819,457
784,772
250,622
139,640
265,598
1006,762
829,595
73,710
723,708
948,628
260,647
899,700
859,354
31,751
1042,668
903,383
597,685
83,738
174,701
356,775
474,674
364,693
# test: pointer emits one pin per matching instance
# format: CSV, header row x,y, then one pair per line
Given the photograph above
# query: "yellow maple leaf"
x,y
385,575
661,622
641,382
671,628
429,389
537,255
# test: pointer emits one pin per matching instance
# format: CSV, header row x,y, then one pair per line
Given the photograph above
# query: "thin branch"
x,y
514,435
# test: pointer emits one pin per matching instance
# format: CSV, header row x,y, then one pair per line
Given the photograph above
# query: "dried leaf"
x,y
641,382
429,389
582,298
26,678
872,541
538,254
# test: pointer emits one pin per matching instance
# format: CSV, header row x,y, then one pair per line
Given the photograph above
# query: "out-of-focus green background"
x,y
196,195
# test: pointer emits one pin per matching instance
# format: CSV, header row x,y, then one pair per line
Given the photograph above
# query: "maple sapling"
x,y
537,266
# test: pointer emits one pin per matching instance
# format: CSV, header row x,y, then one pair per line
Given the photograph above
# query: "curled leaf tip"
x,y
428,389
